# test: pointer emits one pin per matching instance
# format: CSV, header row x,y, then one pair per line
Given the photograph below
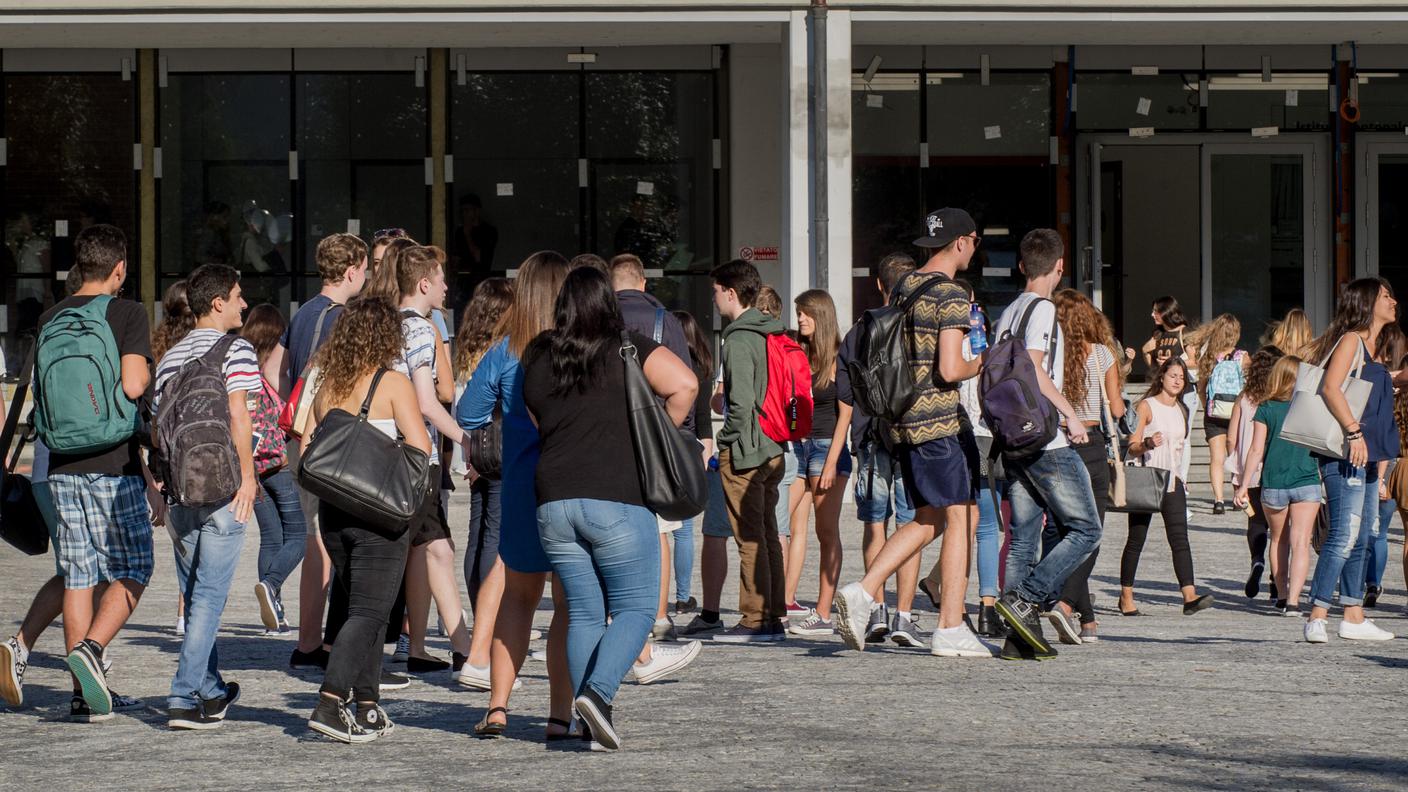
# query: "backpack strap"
x,y
659,331
1021,330
371,391
220,348
317,334
913,299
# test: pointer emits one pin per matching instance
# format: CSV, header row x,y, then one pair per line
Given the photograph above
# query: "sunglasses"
x,y
389,233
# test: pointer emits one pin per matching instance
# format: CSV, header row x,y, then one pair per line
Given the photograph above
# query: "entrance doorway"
x,y
1382,238
1220,223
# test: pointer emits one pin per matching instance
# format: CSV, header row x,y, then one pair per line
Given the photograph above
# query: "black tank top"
x,y
1167,344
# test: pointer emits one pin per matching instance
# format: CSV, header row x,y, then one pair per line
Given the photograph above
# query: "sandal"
x,y
1133,612
565,734
487,729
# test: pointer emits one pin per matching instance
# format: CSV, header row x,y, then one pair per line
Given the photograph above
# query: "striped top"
x,y
935,413
1092,407
241,365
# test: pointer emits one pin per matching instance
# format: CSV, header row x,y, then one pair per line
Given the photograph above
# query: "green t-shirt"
x,y
1286,465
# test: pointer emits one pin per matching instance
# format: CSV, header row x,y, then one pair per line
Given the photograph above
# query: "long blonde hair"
x,y
1213,340
1292,334
1282,379
825,340
540,278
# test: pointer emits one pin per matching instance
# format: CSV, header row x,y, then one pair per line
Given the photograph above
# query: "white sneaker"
x,y
1364,631
180,626
1315,631
473,676
957,642
853,608
665,660
535,634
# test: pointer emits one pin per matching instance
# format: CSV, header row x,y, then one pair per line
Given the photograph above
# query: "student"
x,y
703,360
342,266
1239,443
369,562
879,484
1161,438
596,530
823,459
176,321
1167,340
105,532
769,303
1290,485
1217,345
1392,346
937,452
1365,307
1292,335
283,531
1054,481
750,462
210,537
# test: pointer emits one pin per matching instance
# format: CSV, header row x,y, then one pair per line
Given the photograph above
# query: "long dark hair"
x,y
1170,312
1353,312
176,319
1156,386
264,325
586,325
697,341
492,297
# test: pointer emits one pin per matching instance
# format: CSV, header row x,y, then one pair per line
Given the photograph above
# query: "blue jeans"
x,y
1054,481
1378,544
989,542
878,482
684,559
1350,494
283,531
206,557
481,552
607,556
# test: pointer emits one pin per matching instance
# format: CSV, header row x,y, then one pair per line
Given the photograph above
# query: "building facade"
x,y
1243,156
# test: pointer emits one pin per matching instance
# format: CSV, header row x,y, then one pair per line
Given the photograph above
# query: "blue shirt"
x,y
1380,431
298,336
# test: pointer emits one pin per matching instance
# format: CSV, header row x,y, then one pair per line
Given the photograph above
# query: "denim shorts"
x,y
942,472
104,530
878,483
1278,499
811,457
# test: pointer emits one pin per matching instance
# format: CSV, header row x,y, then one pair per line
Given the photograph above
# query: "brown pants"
x,y
752,496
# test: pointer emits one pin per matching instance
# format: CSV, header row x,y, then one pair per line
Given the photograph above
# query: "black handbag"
x,y
670,459
355,467
22,523
484,447
1144,489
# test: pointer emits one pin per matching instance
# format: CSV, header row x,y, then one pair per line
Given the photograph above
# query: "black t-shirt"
x,y
133,334
585,439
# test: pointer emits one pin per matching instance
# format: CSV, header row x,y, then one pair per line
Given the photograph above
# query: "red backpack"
x,y
786,412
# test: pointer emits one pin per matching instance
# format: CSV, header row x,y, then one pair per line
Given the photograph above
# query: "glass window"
x,y
1383,102
69,145
1393,220
225,190
887,204
1121,101
1010,115
1289,101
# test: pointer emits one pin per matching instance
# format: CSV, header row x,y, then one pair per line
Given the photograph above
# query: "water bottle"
x,y
714,463
977,334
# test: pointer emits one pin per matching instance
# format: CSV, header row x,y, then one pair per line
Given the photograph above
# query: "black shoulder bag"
x,y
669,458
354,466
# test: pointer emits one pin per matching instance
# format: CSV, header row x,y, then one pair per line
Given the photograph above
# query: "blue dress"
x,y
498,379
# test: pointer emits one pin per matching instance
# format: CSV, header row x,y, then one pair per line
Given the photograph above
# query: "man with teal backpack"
x,y
92,365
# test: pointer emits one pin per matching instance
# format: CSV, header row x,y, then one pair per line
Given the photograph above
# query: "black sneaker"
x,y
1024,618
318,658
331,719
374,721
1371,596
1271,587
192,718
596,713
879,625
457,662
423,665
990,624
216,708
743,634
1200,604
80,712
1253,586
1218,508
390,681
86,664
1013,649
777,630
686,606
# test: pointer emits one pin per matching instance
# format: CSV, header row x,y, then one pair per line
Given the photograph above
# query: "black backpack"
x,y
199,463
882,381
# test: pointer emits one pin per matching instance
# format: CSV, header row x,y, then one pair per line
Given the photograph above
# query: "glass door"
x,y
1382,240
1261,243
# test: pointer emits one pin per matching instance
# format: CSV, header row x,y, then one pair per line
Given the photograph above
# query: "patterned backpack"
x,y
270,444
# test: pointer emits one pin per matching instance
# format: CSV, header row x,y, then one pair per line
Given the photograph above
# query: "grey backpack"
x,y
198,458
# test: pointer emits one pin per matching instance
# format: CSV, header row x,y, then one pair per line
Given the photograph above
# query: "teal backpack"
x,y
1225,385
79,404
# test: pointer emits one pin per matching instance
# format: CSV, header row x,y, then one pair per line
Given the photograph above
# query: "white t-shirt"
x,y
417,350
1040,328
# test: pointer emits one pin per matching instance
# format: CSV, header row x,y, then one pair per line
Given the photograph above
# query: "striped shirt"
x,y
935,413
418,349
1092,408
241,365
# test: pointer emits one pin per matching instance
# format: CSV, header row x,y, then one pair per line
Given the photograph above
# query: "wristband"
x,y
1355,435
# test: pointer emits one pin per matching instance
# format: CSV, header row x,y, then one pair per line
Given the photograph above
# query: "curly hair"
x,y
1257,387
491,299
365,337
176,319
1084,328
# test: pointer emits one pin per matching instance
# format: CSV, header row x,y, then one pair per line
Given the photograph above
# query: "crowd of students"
x,y
203,423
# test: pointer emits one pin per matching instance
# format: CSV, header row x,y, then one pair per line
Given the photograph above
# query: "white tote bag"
x,y
1309,422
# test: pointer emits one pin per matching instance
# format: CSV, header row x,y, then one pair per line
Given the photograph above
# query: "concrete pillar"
x,y
838,162
795,250
439,99
146,185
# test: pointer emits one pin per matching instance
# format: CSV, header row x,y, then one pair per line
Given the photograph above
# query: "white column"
x,y
795,249
838,162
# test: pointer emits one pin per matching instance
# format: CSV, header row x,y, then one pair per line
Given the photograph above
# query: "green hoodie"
x,y
745,380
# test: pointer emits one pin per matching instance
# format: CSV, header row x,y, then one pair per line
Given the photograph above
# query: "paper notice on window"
x,y
503,189
354,226
1265,132
1143,107
1292,97
992,132
645,188
874,100
1141,132
60,228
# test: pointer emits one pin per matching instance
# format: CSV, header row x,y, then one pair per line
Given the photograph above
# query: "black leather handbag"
x,y
484,447
354,466
22,523
670,459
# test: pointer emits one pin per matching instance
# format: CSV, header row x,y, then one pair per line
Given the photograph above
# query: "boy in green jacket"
x,y
750,463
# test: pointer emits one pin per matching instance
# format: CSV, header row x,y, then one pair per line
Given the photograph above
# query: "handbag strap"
x,y
12,418
371,391
317,334
1359,359
627,347
1108,417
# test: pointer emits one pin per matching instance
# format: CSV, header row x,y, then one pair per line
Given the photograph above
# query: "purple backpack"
x,y
1021,419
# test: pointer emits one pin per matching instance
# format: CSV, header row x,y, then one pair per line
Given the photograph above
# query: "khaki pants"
x,y
752,497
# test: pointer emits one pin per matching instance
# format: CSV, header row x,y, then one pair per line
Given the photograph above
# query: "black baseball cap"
x,y
942,226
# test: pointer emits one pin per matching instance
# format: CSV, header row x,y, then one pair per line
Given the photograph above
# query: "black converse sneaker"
x,y
374,720
331,719
596,714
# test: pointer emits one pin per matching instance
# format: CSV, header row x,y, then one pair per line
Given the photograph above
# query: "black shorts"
x,y
430,523
1215,427
942,472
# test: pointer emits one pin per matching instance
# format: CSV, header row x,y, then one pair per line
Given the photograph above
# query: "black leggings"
x,y
1175,514
1257,536
1076,591
368,568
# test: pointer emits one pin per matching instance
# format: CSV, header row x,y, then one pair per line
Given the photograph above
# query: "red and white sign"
x,y
758,253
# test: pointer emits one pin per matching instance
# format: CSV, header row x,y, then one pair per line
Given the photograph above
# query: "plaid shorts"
x,y
105,529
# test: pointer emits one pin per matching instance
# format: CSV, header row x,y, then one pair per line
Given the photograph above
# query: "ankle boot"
x,y
990,625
